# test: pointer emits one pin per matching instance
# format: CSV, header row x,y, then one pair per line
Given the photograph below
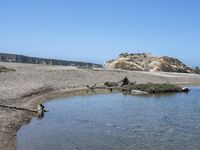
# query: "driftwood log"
x,y
40,109
92,88
18,108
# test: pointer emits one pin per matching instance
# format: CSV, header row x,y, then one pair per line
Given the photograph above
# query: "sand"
x,y
31,84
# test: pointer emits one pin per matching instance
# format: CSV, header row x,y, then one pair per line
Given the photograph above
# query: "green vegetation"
x,y
126,85
154,88
4,69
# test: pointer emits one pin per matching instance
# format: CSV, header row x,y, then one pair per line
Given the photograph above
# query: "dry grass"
x,y
4,69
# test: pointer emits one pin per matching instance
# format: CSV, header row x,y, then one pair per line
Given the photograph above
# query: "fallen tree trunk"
x,y
91,87
18,108
40,108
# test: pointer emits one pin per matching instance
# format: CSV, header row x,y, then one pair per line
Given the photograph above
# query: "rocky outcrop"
x,y
4,57
148,62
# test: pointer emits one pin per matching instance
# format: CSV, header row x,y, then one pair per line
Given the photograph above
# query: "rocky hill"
x,y
149,62
4,57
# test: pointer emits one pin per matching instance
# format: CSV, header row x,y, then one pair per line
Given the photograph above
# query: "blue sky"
x,y
98,30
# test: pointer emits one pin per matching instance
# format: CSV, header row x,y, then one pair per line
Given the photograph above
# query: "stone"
x,y
149,62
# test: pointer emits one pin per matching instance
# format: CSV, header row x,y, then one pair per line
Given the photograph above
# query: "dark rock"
x,y
125,81
185,89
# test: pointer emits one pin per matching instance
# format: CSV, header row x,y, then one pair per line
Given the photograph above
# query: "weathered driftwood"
x,y
18,108
40,109
92,88
138,92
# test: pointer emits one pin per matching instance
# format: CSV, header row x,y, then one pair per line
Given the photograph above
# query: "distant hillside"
x,y
4,57
149,62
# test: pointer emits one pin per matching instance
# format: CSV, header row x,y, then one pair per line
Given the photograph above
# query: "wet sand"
x,y
31,84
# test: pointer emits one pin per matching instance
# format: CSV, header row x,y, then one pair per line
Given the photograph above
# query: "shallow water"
x,y
116,121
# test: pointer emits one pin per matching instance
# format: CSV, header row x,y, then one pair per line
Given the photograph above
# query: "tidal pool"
x,y
116,122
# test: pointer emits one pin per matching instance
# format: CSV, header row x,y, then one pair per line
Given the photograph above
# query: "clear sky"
x,y
98,30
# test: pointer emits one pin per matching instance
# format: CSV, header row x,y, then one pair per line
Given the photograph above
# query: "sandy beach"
x,y
30,84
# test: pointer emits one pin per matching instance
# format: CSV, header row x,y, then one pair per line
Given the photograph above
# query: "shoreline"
x,y
32,84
